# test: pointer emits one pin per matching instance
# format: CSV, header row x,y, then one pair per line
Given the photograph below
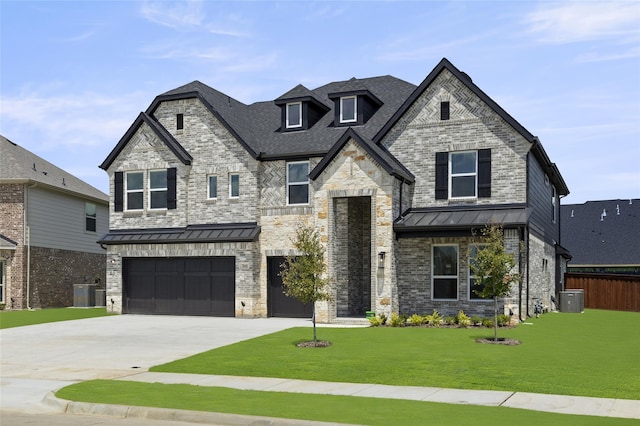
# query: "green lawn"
x,y
10,319
328,408
589,354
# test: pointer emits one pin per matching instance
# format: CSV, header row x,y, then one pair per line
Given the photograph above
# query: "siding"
x,y
539,198
57,221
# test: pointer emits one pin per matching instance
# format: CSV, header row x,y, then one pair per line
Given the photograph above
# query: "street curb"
x,y
167,414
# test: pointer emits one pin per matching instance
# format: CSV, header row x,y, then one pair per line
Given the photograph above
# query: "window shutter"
x,y
484,173
171,188
442,175
118,194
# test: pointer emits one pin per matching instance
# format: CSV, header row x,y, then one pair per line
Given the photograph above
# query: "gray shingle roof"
x,y
257,124
20,165
595,239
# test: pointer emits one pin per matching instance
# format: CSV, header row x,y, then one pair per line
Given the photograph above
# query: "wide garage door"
x,y
179,286
279,304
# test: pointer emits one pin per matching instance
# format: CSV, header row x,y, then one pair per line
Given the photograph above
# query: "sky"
x,y
74,75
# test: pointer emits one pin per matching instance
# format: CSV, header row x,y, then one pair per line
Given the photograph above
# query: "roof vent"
x,y
63,182
571,212
630,201
617,209
603,215
34,167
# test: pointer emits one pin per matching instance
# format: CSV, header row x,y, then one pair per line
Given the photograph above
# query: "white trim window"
x,y
294,115
134,190
90,217
158,189
444,284
297,183
348,109
212,187
234,185
463,174
473,252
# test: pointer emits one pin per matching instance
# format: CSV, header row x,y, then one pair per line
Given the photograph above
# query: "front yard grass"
x,y
9,319
327,408
589,354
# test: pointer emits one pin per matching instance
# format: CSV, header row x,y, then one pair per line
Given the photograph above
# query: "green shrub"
x,y
450,320
476,320
397,320
383,319
375,321
503,320
462,319
435,319
416,320
487,322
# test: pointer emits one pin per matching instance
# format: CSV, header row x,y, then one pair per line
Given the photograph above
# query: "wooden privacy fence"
x,y
613,292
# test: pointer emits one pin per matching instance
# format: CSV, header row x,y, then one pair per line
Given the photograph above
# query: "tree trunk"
x,y
313,319
495,319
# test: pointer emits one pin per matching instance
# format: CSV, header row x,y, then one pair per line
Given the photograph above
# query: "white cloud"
x,y
605,57
585,21
176,15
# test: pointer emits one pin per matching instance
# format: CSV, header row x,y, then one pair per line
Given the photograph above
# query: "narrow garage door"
x,y
279,304
179,286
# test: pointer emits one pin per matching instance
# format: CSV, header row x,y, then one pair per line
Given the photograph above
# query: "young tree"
x,y
493,268
304,276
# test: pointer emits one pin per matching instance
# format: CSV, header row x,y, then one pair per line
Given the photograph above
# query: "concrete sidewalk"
x,y
560,404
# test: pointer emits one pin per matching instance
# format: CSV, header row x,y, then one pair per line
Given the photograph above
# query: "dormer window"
x,y
294,115
348,109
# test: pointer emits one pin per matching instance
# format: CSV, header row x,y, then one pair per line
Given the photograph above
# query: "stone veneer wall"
x,y
414,278
54,272
420,133
542,272
246,261
12,227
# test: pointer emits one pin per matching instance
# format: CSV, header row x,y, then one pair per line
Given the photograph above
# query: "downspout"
x,y
528,270
521,266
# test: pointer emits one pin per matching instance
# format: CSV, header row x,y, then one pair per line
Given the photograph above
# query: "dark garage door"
x,y
279,304
179,286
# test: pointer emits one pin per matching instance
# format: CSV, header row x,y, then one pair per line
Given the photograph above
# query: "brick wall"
x,y
54,272
12,227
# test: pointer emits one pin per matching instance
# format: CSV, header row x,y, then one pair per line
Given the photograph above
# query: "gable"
x,y
152,132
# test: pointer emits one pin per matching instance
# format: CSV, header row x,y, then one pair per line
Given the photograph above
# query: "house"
x,y
603,236
398,180
50,222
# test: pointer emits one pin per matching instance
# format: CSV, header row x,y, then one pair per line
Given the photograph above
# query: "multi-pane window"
x,y
348,109
294,115
474,286
212,187
135,190
298,182
445,272
158,189
90,217
463,174
234,186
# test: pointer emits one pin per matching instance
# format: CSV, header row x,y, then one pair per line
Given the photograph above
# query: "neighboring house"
x,y
398,180
603,236
50,222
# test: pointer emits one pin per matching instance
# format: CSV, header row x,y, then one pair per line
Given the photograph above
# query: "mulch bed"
x,y
312,344
500,341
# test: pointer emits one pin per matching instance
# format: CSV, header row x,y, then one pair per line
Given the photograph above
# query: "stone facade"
x,y
12,226
353,203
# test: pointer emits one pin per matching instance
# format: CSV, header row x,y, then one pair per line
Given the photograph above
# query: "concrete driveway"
x,y
40,358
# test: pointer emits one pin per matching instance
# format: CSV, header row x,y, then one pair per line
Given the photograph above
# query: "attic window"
x,y
348,109
179,121
444,110
294,115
